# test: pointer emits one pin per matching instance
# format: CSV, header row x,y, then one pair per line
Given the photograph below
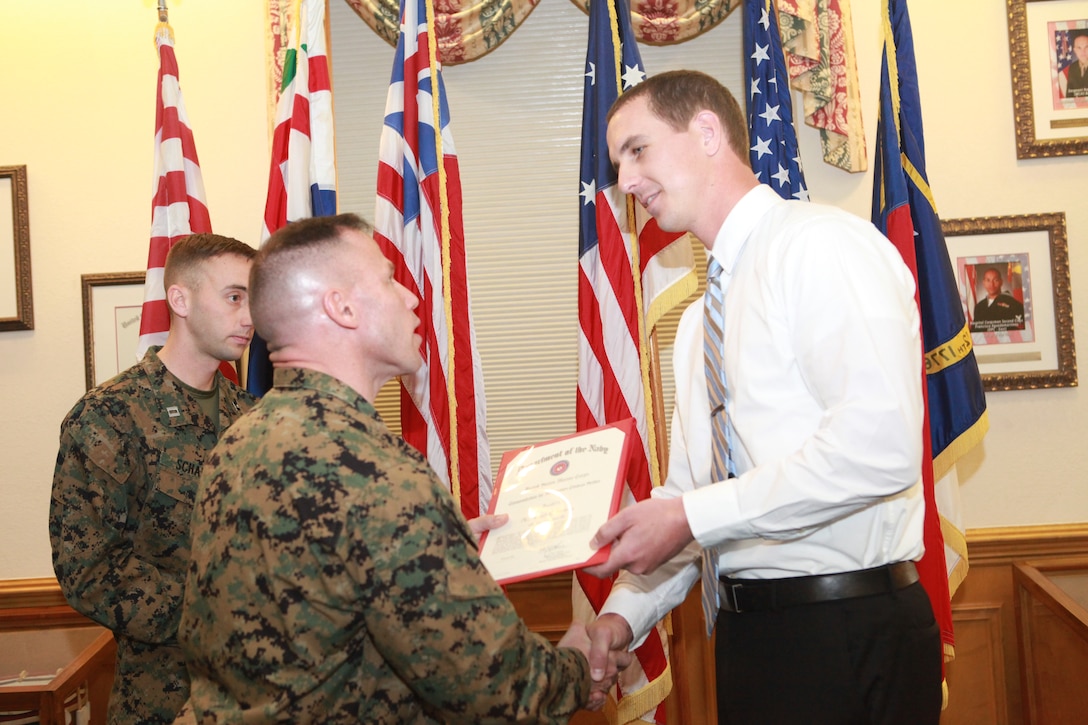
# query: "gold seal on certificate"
x,y
557,494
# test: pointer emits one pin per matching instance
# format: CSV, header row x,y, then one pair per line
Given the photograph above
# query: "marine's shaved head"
x,y
291,271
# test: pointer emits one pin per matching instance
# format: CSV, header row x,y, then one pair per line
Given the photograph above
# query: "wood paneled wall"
x,y
35,604
983,681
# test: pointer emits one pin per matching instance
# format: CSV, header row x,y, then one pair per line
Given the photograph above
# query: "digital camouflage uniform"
x,y
335,580
131,452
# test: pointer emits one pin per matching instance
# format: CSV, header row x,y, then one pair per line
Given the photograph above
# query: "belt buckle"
x,y
730,596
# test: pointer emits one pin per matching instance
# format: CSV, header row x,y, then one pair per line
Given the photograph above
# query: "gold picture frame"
x,y
1027,258
112,305
1051,118
16,297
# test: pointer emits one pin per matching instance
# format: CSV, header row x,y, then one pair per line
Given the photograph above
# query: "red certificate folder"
x,y
557,494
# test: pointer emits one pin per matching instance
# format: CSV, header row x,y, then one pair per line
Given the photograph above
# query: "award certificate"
x,y
557,494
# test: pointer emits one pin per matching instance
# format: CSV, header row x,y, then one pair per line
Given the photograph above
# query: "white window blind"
x,y
516,120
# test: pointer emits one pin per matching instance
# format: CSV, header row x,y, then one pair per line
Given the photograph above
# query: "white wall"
x,y
1031,467
78,109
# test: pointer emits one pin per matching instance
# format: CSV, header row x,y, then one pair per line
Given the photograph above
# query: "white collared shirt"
x,y
823,366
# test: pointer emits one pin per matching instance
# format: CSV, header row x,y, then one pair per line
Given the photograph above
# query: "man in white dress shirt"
x,y
822,619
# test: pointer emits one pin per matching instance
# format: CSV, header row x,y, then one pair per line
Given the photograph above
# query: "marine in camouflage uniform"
x,y
335,580
131,453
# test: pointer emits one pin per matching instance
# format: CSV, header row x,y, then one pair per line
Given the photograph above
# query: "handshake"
x,y
605,645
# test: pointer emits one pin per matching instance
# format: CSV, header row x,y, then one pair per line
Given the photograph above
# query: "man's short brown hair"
x,y
290,249
188,253
676,96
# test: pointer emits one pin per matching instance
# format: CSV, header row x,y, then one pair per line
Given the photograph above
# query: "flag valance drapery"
x,y
464,31
816,34
468,30
818,39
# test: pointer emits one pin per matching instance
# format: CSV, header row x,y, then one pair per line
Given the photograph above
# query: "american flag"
x,y
628,271
418,226
302,177
178,208
904,210
774,154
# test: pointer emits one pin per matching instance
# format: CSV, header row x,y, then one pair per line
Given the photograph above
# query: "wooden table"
x,y
80,660
1052,633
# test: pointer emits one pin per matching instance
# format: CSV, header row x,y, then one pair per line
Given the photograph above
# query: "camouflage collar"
x,y
178,406
303,378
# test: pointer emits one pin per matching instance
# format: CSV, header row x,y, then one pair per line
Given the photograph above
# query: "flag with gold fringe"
x,y
630,273
904,209
302,173
418,226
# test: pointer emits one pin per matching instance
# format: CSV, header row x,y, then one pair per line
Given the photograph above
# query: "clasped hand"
x,y
643,537
605,663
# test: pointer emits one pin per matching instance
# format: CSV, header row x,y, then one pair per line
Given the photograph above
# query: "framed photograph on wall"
x,y
1013,278
112,304
1048,49
16,298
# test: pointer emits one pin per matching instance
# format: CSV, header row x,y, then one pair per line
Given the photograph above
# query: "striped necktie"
x,y
722,464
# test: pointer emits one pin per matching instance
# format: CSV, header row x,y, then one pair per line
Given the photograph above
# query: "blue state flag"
x,y
905,211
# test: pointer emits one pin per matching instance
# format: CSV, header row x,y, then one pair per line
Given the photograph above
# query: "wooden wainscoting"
x,y
36,604
545,604
983,681
32,605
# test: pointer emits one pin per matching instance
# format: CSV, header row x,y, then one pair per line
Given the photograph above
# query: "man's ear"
x,y
178,298
709,127
340,308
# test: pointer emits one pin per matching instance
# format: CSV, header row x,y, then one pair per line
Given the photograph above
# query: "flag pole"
x,y
164,22
445,239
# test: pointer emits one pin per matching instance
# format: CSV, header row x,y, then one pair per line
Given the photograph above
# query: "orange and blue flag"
x,y
904,210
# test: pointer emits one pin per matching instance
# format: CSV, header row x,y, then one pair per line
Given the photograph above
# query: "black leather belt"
x,y
762,595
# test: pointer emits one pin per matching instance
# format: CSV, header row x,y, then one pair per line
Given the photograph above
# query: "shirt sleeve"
x,y
644,600
95,479
835,426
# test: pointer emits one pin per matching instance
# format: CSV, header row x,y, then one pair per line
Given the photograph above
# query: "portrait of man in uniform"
x,y
1068,41
1000,298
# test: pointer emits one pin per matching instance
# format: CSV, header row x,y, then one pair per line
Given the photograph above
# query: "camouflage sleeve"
x,y
101,576
446,627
